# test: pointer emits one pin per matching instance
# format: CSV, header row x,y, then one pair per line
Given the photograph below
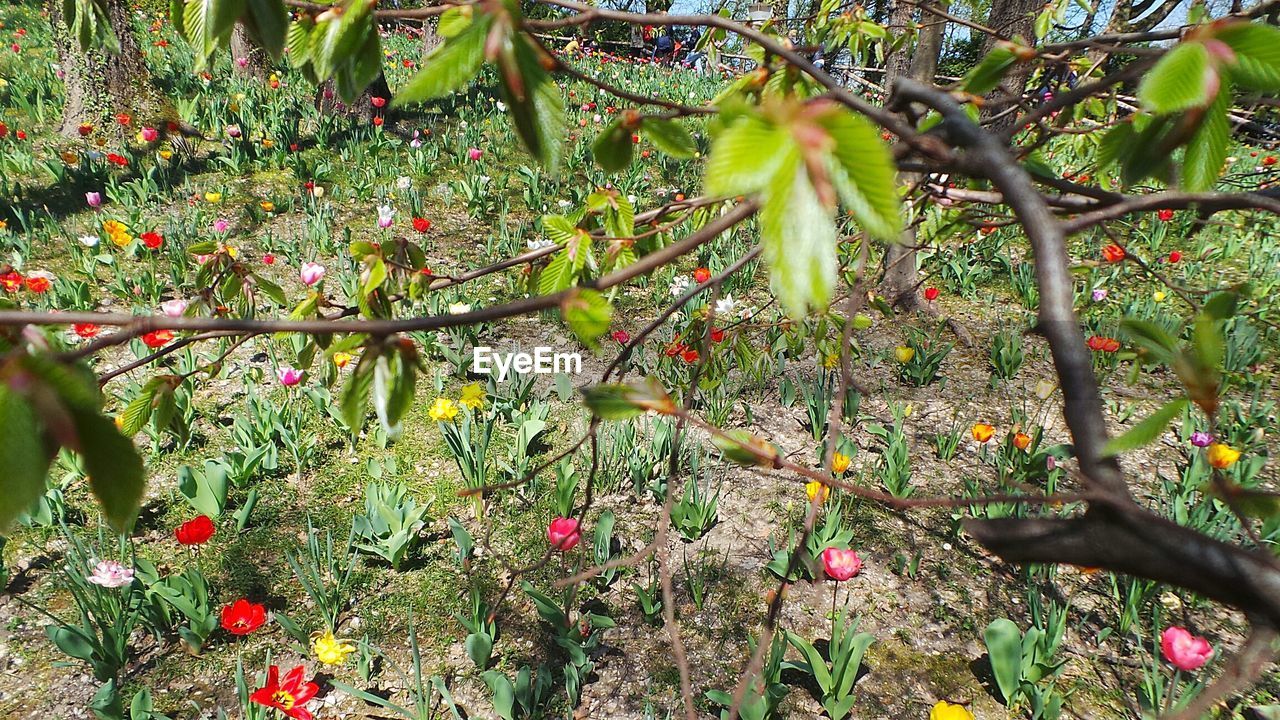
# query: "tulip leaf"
x,y
1004,650
26,461
1179,81
1147,431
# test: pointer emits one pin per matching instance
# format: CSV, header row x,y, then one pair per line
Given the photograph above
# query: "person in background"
x,y
572,48
664,47
696,59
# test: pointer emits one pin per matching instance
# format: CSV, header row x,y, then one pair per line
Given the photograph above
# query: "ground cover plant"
x,y
898,360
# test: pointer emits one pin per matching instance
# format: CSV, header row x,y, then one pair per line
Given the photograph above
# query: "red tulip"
x,y
1186,651
840,565
421,224
564,533
717,334
85,330
152,240
157,338
289,696
11,281
195,532
690,356
1165,215
701,275
378,101
1269,160
4,130
1175,256
1113,253
621,336
931,294
38,284
243,617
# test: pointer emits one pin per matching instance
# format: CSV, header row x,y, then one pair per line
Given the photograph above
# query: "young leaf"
x,y
588,314
670,137
1257,48
612,148
868,184
798,236
25,459
986,75
1179,81
533,100
1145,432
746,155
449,67
113,464
271,22
1207,151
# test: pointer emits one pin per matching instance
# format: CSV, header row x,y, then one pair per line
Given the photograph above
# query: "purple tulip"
x,y
94,199
1201,439
1099,294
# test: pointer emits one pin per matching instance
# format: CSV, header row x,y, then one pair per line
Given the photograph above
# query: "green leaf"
x,y
1257,48
70,641
1179,81
558,275
588,314
356,391
533,101
114,467
1207,151
479,648
272,24
612,148
986,75
138,411
449,67
1147,431
610,401
377,276
299,41
1152,337
26,461
669,136
798,236
1004,649
454,20
868,184
341,38
746,156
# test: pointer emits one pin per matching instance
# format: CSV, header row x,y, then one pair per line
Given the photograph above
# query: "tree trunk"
x,y
363,108
247,59
898,64
1010,18
924,61
99,85
430,37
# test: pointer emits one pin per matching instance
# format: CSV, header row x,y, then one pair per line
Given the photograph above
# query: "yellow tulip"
x,y
342,359
814,489
840,463
904,353
944,710
982,432
1223,456
213,197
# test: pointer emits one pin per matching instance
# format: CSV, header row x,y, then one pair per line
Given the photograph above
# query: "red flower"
x,y
269,259
421,224
11,281
21,135
931,294
195,532
243,617
564,533
4,130
701,275
690,356
153,240
377,122
85,330
287,697
717,334
621,336
1113,253
115,159
85,129
1099,343
1165,215
378,101
124,119
38,284
675,349
157,338
1269,160
1175,256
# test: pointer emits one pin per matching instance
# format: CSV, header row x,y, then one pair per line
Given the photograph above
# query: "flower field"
x,y
238,334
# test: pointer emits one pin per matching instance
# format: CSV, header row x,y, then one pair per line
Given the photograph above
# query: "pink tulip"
x,y
311,273
288,376
221,226
1186,651
93,198
563,533
174,308
840,565
474,154
150,134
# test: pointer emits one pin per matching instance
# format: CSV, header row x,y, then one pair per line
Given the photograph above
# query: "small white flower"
x,y
385,215
726,305
631,199
502,107
89,240
563,203
404,182
459,308
174,308
679,285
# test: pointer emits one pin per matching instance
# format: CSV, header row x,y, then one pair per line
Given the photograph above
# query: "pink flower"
x,y
221,226
474,154
1201,439
563,533
150,134
242,62
174,308
111,574
288,376
93,198
840,565
311,273
1186,651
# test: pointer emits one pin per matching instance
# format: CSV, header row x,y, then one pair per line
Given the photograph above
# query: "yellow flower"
x,y
840,463
267,206
472,396
814,489
442,409
4,225
112,227
231,250
904,353
944,710
831,362
268,143
906,411
1158,295
341,359
121,238
70,157
329,649
213,197
165,153
982,432
1223,456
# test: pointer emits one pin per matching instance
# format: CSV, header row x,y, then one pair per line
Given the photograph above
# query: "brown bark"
x,y
430,37
99,85
924,61
247,59
362,108
1011,18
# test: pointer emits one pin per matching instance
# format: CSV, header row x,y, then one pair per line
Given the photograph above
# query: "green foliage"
x,y
391,522
837,671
